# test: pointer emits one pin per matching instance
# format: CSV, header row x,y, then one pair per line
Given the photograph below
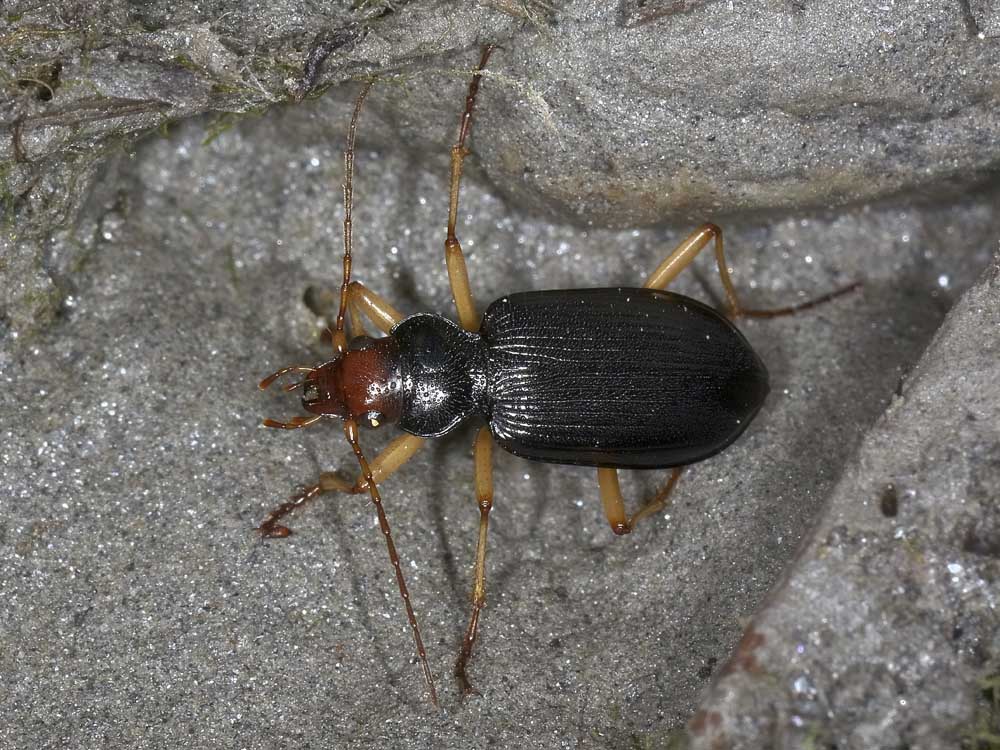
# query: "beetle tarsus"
x,y
463,679
273,531
270,528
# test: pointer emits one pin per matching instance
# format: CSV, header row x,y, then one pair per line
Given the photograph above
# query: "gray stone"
x,y
147,289
885,632
595,114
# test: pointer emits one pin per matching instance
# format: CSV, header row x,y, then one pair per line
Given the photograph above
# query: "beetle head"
x,y
363,384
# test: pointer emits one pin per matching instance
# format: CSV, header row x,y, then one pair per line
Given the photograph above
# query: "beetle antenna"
x,y
294,424
266,382
351,432
339,338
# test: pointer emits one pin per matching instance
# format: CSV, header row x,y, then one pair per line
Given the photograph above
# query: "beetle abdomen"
x,y
628,378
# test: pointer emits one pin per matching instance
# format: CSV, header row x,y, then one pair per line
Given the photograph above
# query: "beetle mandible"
x,y
617,378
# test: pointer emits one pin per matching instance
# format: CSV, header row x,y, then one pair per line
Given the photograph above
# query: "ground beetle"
x,y
621,378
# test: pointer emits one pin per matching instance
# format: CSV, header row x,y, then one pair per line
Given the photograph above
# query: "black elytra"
x,y
628,378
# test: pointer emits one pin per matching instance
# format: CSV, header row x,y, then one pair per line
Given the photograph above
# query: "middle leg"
x,y
483,459
458,274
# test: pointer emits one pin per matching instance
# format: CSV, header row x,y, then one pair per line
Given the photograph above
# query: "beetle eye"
x,y
360,342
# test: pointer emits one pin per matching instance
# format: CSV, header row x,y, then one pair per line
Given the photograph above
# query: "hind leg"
x,y
698,240
660,278
483,459
614,503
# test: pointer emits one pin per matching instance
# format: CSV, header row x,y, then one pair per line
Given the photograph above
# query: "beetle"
x,y
615,378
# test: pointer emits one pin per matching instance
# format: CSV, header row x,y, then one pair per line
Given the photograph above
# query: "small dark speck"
x,y
555,643
957,632
889,501
80,617
982,540
705,671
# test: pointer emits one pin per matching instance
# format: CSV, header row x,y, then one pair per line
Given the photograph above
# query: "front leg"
x,y
397,453
363,303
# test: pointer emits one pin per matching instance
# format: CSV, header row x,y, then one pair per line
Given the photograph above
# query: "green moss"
x,y
288,68
985,732
231,269
218,126
226,120
672,739
188,64
7,201
42,304
230,89
164,127
817,738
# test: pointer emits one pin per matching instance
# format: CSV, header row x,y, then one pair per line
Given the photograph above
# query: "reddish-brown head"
x,y
364,384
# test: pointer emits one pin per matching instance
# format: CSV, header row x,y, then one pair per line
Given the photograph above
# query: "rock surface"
x,y
885,632
145,291
598,114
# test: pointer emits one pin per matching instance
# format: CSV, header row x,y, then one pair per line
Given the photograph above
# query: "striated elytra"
x,y
624,377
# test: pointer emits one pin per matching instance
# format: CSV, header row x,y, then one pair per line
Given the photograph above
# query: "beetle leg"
x,y
777,312
695,242
686,252
397,453
611,498
659,500
458,274
614,503
364,303
483,453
